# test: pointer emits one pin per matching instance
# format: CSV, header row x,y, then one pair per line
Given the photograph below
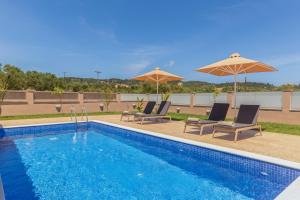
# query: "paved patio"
x,y
271,144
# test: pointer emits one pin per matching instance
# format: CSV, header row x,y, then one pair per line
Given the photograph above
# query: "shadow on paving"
x,y
224,136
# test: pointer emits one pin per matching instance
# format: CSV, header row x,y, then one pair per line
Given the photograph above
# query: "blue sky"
x,y
123,38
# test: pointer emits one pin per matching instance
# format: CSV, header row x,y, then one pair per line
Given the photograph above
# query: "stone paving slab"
x,y
271,144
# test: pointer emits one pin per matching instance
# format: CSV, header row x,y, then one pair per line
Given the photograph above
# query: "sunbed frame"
x,y
161,113
241,124
218,113
155,117
148,109
236,131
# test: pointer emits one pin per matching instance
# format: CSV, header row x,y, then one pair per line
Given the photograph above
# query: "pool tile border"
x,y
292,191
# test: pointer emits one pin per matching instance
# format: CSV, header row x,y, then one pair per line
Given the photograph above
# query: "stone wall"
x,y
34,102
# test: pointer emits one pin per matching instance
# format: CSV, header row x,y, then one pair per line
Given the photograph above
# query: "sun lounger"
x,y
246,120
160,114
218,113
148,110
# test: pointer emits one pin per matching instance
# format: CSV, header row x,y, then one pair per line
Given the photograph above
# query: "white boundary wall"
x,y
207,99
295,101
181,99
133,97
266,100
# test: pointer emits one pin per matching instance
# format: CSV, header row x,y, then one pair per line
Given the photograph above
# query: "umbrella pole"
x,y
234,94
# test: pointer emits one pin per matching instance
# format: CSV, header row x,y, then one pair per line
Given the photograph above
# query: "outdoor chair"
x,y
246,120
160,114
148,110
218,113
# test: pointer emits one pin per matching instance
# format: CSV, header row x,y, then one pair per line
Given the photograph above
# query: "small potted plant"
x,y
134,106
165,96
140,104
101,106
58,91
216,92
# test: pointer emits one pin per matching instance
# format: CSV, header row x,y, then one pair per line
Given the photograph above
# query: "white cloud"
x,y
137,67
171,63
148,51
285,60
101,32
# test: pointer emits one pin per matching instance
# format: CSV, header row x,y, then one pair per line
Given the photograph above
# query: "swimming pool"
x,y
101,161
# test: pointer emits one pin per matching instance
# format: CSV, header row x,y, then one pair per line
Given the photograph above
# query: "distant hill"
x,y
127,85
14,78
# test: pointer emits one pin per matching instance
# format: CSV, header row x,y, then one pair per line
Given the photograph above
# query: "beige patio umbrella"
x,y
235,65
158,76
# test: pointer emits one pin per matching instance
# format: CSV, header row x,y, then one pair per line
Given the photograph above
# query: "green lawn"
x,y
267,126
53,115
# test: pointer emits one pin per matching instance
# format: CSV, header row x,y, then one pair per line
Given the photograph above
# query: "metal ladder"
x,y
73,116
84,114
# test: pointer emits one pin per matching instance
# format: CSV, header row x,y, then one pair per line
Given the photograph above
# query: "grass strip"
x,y
18,117
291,129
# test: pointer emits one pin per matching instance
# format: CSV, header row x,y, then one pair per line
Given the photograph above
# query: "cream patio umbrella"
x,y
158,76
235,65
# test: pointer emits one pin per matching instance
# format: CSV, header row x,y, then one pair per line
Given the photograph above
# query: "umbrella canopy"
x,y
235,65
158,76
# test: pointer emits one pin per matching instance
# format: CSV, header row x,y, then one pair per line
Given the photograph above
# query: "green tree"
x,y
3,87
147,88
17,79
41,81
76,87
164,88
287,87
107,97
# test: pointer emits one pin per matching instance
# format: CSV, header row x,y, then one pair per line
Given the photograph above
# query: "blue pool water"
x,y
105,162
